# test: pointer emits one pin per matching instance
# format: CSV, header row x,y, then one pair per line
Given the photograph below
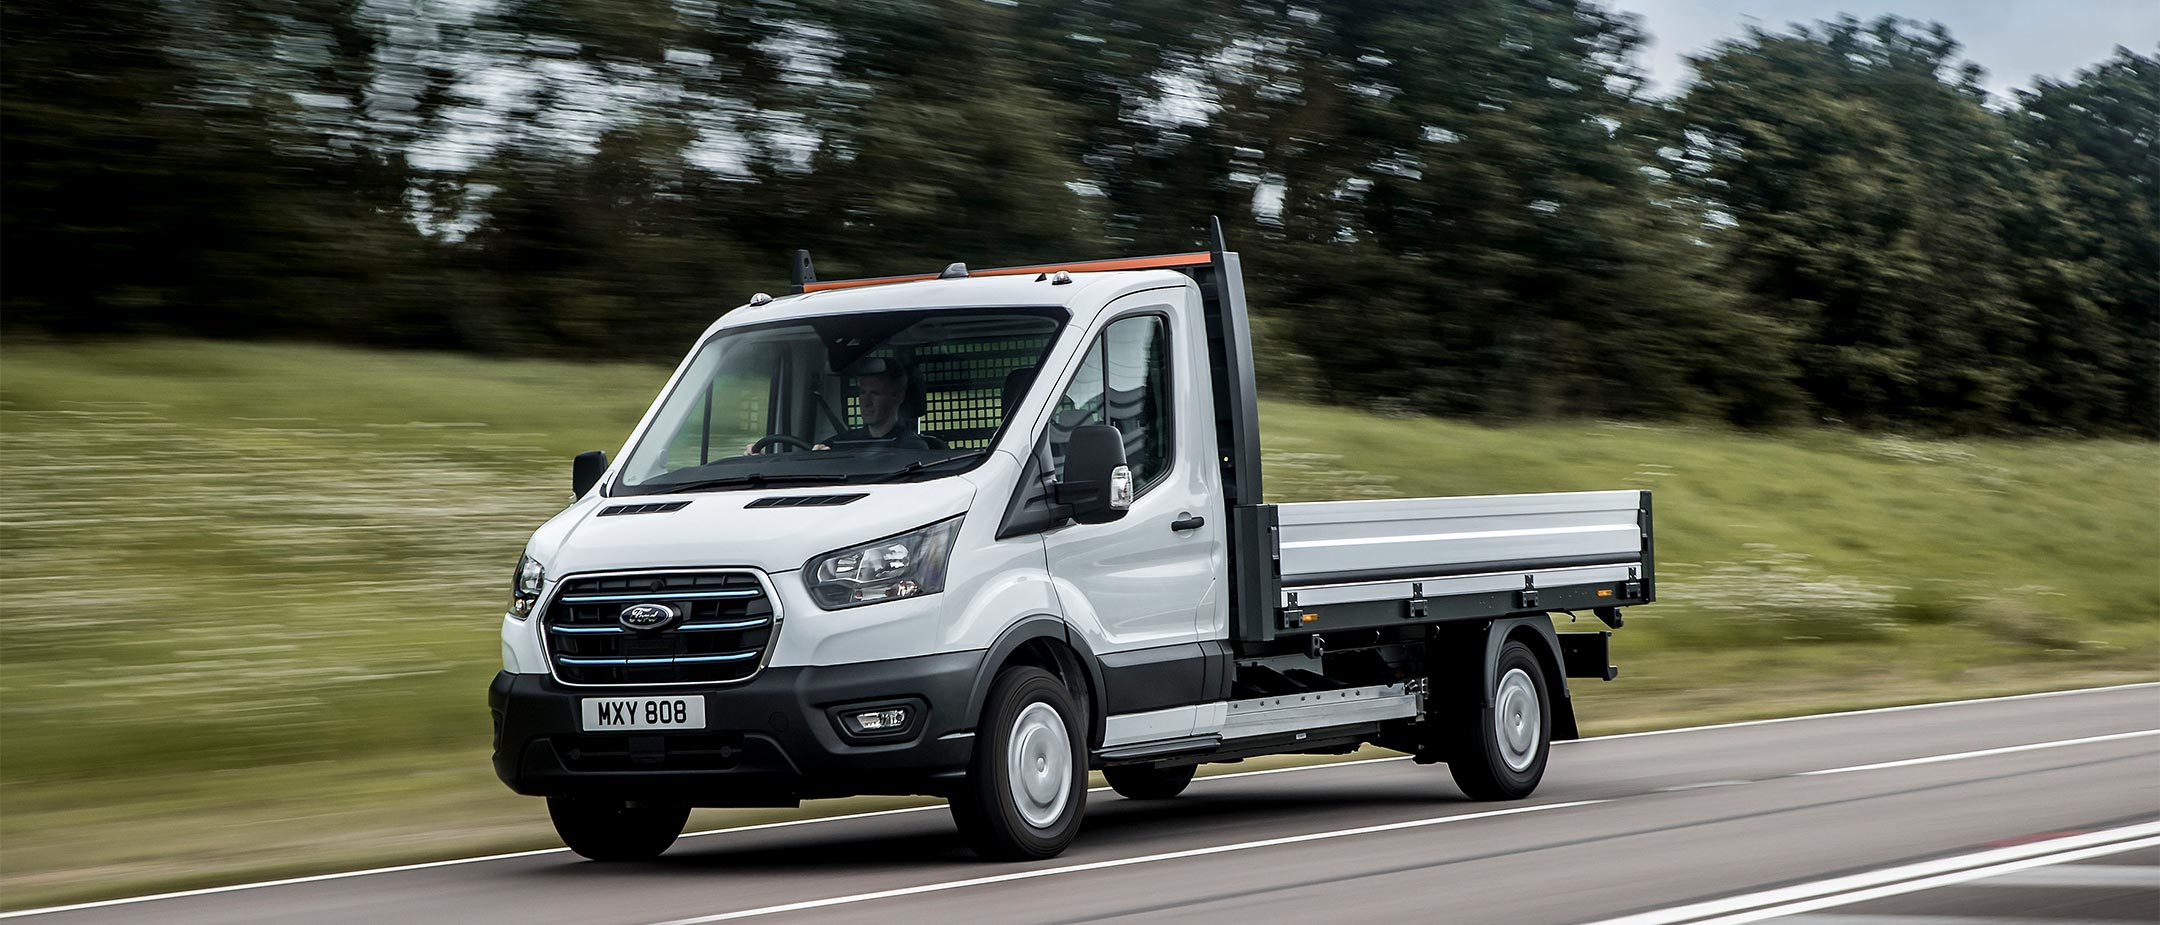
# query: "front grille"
x,y
723,626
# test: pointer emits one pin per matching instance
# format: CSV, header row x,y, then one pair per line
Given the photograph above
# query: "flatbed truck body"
x,y
974,534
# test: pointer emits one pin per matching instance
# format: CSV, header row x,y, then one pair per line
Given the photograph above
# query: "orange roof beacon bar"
x,y
806,281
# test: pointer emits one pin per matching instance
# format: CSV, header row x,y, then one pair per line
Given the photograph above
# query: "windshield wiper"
x,y
750,479
914,467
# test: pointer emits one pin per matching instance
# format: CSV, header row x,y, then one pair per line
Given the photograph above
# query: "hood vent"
x,y
804,501
659,507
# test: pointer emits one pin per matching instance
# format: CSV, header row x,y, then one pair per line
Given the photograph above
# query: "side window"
x,y
1124,381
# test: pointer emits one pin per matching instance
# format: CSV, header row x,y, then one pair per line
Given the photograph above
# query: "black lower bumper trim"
x,y
773,740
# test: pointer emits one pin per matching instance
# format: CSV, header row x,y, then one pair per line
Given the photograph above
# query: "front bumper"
x,y
769,741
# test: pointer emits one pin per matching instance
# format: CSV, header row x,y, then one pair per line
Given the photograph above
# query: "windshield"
x,y
885,396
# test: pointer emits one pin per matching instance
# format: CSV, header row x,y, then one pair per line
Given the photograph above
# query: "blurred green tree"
x,y
1466,207
2095,273
1867,198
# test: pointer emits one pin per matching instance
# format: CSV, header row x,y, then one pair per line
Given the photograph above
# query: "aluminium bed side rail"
x,y
1369,564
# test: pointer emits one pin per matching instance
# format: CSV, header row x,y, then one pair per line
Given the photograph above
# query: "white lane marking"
x,y
2119,876
1852,888
1705,785
537,852
1982,753
1930,883
1854,918
452,862
1113,863
1873,710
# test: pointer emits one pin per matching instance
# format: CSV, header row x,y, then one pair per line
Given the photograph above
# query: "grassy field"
x,y
248,593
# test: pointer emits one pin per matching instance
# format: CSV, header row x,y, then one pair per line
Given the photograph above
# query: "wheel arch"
x,y
1536,632
1045,642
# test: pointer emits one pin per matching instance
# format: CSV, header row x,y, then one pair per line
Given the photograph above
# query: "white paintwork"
x,y
521,650
1134,583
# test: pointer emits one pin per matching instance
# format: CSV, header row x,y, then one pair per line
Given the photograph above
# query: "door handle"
x,y
1187,522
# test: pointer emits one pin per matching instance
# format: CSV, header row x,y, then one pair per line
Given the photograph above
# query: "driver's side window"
x,y
1123,381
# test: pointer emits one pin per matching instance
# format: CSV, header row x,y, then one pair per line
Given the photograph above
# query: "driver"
x,y
883,386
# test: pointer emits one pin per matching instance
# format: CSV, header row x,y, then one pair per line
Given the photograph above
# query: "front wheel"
x,y
1026,786
1499,752
612,830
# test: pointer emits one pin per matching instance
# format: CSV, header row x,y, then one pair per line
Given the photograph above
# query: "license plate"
x,y
612,714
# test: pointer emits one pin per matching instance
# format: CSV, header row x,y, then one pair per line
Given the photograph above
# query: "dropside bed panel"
x,y
1367,564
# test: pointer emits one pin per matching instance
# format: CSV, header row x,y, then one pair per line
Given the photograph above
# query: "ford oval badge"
x,y
647,616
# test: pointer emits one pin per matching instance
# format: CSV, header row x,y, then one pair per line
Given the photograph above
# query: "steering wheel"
x,y
772,439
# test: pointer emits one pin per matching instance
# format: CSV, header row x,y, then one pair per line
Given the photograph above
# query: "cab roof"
x,y
1079,295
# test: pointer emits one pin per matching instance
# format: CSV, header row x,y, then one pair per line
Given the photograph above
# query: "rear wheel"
x,y
612,830
1143,782
1026,787
1499,752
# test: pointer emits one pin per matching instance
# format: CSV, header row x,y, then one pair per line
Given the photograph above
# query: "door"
x,y
1143,590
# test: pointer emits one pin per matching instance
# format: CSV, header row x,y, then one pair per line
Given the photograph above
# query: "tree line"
x,y
1467,208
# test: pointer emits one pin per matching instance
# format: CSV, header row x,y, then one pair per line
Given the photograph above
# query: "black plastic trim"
x,y
662,507
804,500
1588,655
1158,678
1547,647
1039,626
790,749
918,712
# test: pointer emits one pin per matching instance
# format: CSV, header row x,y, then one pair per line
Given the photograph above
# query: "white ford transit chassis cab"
x,y
977,534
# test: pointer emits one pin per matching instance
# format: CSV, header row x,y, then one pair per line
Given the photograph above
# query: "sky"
x,y
2012,39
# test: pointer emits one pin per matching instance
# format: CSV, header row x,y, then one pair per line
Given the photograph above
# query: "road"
x,y
1975,813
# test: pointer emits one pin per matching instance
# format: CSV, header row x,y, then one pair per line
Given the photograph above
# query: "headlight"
x,y
525,587
908,565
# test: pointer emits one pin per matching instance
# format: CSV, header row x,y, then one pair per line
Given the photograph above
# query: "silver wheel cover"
x,y
1038,764
1518,719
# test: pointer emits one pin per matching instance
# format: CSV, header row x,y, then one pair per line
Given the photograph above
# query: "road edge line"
x,y
1982,753
2036,695
1931,883
1749,903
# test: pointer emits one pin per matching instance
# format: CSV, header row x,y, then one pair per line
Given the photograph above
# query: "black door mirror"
x,y
585,472
1097,487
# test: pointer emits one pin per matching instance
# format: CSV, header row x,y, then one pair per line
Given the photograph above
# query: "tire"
x,y
1026,787
1143,782
1499,752
611,830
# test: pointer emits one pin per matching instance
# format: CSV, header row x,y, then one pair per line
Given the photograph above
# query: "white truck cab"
x,y
975,534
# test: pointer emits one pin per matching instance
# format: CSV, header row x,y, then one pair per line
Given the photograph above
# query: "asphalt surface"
x,y
1630,826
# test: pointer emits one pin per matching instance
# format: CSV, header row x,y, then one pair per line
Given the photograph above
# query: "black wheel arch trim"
x,y
1544,643
1029,629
